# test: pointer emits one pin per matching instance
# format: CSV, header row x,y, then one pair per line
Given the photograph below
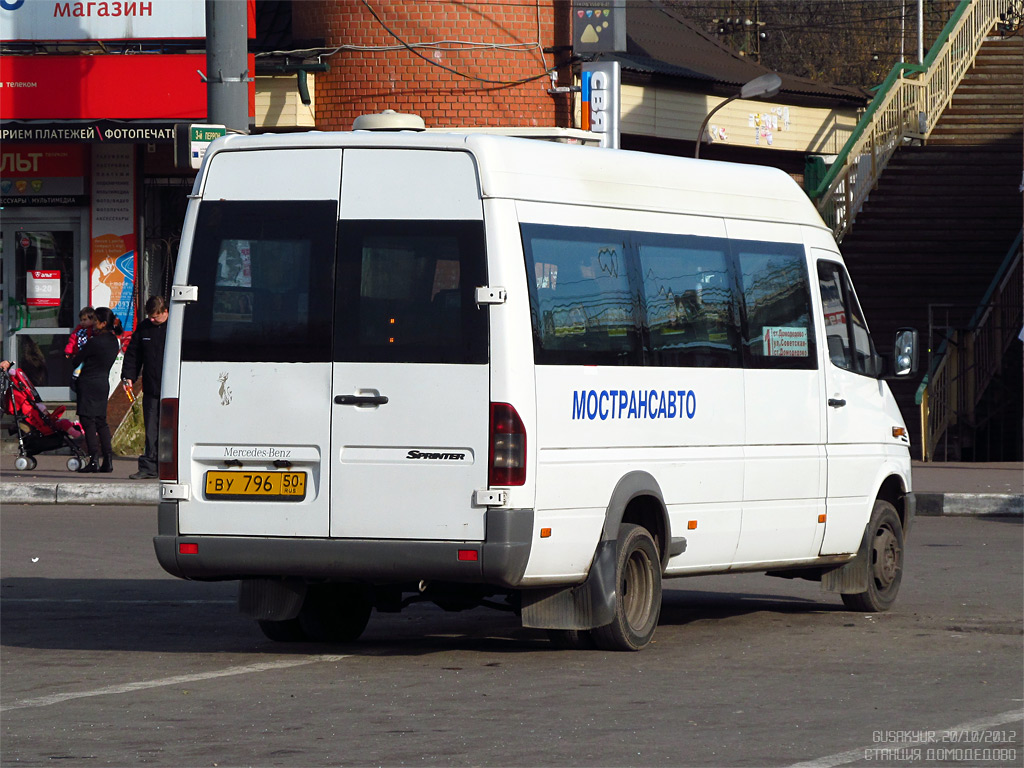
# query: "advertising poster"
x,y
37,174
42,288
63,20
112,255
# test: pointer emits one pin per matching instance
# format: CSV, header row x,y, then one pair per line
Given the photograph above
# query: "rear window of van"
x,y
406,292
265,275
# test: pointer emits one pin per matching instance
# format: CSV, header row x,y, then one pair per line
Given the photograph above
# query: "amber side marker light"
x,y
899,432
545,533
821,518
692,525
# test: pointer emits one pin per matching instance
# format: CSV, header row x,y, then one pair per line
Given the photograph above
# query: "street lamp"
x,y
763,87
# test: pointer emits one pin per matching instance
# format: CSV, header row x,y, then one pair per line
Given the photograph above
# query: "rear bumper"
x,y
501,557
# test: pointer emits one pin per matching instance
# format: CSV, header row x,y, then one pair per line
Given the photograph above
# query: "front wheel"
x,y
637,593
23,463
883,549
75,464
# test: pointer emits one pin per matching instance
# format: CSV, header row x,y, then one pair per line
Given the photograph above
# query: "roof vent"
x,y
389,120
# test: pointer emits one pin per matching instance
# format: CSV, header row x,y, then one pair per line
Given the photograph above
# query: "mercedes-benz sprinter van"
x,y
476,369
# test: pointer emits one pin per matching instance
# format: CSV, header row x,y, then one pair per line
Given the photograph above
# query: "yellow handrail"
x,y
908,106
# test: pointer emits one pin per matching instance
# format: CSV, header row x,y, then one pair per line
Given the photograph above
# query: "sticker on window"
x,y
782,341
234,265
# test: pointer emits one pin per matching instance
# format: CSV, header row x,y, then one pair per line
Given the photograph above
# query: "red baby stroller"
x,y
38,429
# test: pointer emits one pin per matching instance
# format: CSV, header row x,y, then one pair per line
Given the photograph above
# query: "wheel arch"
x,y
638,499
894,490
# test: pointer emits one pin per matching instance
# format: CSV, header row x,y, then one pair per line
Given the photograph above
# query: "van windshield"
x,y
265,277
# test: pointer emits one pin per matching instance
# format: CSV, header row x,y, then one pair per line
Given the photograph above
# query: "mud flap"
x,y
271,599
852,577
588,605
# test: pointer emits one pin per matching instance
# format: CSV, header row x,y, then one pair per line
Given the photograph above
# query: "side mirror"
x,y
904,355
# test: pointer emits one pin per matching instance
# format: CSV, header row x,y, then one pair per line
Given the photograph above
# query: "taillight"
x,y
508,446
167,442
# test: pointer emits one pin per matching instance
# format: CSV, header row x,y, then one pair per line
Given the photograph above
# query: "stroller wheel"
x,y
33,463
74,464
23,463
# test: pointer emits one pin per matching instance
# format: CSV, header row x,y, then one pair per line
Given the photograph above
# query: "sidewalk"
x,y
942,489
953,488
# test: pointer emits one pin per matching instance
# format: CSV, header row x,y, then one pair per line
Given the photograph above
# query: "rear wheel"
x,y
884,553
637,593
335,613
287,631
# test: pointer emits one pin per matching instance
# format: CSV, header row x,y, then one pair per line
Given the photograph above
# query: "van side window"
x,y
406,292
692,318
584,312
264,272
779,331
849,343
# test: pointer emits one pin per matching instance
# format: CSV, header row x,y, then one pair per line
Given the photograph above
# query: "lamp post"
x,y
763,87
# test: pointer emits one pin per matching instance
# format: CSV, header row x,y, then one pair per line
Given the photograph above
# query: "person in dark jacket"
x,y
145,356
96,359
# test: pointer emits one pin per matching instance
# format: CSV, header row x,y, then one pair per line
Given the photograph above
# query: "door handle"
x,y
836,402
360,399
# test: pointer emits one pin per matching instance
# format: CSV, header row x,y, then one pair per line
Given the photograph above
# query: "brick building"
x,y
451,63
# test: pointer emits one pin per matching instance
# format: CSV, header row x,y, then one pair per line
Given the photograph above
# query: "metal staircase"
x,y
930,238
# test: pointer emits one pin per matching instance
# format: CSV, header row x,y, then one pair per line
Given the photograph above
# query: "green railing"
x,y
907,106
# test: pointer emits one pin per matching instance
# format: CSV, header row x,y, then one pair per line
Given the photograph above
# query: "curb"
x,y
970,505
127,494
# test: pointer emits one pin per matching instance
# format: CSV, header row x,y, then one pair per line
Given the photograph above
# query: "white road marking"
x,y
946,736
58,698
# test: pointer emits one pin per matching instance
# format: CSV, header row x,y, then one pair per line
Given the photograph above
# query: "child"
x,y
78,338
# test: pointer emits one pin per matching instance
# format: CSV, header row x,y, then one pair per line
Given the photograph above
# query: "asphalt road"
x,y
106,660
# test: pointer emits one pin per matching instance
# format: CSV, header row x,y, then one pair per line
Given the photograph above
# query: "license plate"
x,y
276,486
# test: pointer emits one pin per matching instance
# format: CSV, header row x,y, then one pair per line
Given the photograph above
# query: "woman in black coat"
x,y
96,358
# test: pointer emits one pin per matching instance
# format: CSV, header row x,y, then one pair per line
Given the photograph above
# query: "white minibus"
x,y
481,370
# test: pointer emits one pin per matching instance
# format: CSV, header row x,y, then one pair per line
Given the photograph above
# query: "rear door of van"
x,y
409,412
254,386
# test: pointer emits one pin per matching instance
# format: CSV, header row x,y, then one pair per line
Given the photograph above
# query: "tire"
x,y
33,462
335,613
74,464
22,463
884,552
571,639
288,631
637,593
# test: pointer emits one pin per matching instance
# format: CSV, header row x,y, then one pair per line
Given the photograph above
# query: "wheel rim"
x,y
886,556
637,588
